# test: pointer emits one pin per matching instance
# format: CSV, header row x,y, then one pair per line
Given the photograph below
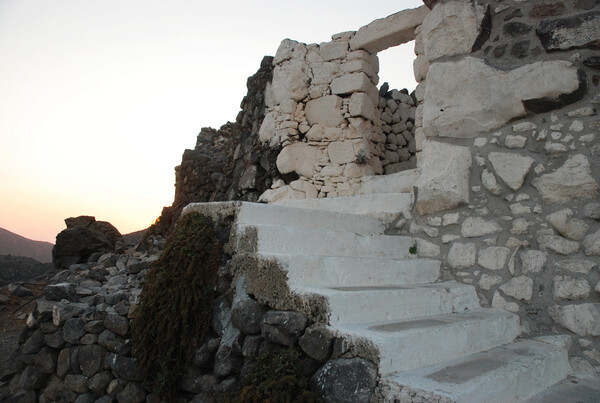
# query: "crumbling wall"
x,y
229,163
508,169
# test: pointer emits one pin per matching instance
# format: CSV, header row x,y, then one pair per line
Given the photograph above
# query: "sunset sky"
x,y
99,98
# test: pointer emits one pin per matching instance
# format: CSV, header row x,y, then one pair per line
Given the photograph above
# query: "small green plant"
x,y
174,314
413,249
276,377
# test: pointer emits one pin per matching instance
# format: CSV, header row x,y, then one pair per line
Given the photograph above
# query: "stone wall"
x,y
77,344
333,124
509,169
229,163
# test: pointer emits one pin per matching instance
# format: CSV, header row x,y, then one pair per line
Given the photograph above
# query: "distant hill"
x,y
16,245
20,268
134,237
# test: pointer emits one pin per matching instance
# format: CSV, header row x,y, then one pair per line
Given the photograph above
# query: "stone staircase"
x,y
432,339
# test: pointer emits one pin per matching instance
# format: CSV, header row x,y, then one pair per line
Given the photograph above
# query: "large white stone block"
x,y
511,168
291,80
572,181
567,226
495,96
333,50
583,319
341,152
443,180
326,111
267,128
361,105
393,30
519,287
298,157
493,258
451,28
355,82
462,255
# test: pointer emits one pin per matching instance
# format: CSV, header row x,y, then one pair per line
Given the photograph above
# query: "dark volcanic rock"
x,y
345,380
577,31
542,105
83,237
283,327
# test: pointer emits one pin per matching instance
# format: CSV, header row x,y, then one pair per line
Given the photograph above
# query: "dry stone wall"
x,y
333,124
509,154
229,163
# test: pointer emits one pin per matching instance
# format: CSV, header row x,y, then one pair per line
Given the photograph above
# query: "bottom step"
x,y
570,390
511,373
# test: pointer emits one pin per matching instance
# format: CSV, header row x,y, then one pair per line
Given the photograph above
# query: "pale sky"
x,y
99,98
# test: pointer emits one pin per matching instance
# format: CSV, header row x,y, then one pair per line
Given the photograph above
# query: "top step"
x,y
377,205
269,214
248,214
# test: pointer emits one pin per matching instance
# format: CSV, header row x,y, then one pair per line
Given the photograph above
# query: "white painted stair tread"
x,y
297,241
265,214
329,271
510,373
374,204
351,305
418,342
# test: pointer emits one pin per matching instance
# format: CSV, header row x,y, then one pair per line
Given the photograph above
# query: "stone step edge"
x,y
373,264
348,220
382,343
348,305
510,374
246,239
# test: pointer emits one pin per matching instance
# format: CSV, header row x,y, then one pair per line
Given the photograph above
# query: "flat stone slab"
x,y
510,373
570,390
393,30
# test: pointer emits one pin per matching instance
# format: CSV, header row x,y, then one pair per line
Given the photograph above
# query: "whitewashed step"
x,y
347,271
419,342
265,214
352,305
375,205
322,242
505,374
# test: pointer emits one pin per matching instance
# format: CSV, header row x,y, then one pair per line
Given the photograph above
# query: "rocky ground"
x,y
13,315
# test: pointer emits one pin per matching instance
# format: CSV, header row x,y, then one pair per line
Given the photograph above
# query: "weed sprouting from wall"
x,y
176,301
277,376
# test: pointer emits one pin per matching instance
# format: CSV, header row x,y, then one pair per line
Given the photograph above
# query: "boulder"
x,y
345,380
83,237
283,327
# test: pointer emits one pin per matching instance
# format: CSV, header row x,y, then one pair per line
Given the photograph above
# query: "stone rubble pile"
x,y
77,347
397,110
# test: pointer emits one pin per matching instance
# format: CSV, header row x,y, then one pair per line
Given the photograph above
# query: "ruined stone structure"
x,y
473,276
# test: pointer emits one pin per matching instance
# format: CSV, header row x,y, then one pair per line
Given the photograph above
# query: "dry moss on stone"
x,y
277,376
174,314
268,282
